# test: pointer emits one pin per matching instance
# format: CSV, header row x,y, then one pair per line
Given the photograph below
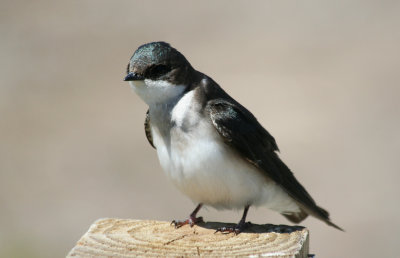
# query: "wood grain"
x,y
146,238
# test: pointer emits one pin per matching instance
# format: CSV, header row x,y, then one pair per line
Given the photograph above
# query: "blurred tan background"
x,y
322,77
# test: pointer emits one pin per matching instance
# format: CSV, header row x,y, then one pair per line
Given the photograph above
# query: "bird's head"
x,y
158,72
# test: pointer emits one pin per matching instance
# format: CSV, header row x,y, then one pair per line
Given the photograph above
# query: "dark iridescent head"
x,y
158,61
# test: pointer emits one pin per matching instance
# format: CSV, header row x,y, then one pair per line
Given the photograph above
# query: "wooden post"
x,y
132,238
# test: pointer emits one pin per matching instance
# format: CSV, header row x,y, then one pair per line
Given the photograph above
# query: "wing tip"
x,y
317,212
330,223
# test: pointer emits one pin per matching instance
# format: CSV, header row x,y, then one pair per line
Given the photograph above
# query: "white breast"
x,y
201,166
155,92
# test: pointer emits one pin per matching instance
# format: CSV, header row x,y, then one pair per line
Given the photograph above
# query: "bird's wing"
x,y
147,129
241,130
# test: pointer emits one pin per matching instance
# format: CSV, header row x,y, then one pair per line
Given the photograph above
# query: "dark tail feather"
x,y
305,202
333,225
323,215
297,217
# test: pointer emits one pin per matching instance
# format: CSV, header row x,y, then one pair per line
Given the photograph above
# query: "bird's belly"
x,y
207,171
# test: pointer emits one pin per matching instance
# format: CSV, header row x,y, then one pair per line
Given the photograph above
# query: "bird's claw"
x,y
227,230
191,222
236,229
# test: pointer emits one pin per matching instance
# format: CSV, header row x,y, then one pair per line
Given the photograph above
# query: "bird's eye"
x,y
158,70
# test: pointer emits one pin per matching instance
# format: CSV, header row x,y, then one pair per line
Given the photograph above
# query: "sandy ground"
x,y
322,77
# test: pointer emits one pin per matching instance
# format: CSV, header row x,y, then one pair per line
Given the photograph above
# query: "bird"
x,y
211,147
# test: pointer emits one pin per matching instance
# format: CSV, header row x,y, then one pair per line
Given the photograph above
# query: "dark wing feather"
x,y
241,130
147,129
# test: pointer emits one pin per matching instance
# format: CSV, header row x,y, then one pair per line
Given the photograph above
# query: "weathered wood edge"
x,y
84,249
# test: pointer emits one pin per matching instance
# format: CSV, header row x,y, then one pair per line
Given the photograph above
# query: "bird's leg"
x,y
239,227
192,220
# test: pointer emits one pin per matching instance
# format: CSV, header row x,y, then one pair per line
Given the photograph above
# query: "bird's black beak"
x,y
133,77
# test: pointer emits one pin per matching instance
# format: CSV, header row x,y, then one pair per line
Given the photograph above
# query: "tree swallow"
x,y
210,146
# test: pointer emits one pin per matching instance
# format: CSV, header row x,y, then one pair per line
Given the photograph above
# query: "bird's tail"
x,y
320,213
326,218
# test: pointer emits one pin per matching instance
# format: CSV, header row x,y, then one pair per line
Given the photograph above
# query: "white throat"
x,y
157,92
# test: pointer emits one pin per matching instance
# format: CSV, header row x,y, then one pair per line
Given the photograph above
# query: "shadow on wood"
x,y
254,228
132,238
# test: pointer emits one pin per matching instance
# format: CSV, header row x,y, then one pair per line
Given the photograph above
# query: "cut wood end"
x,y
132,238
